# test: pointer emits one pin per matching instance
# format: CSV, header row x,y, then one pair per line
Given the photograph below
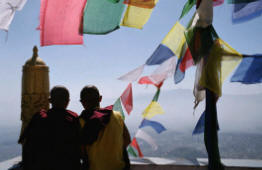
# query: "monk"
x,y
52,139
104,135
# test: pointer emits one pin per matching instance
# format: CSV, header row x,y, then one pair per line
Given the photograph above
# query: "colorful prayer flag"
x,y
102,17
136,146
158,127
171,45
146,137
183,63
249,70
165,70
8,9
152,109
118,107
60,22
218,65
136,17
127,98
132,75
131,151
246,11
141,3
200,126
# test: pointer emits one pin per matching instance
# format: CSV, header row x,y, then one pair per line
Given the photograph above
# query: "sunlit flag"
x,y
60,22
146,137
158,127
127,98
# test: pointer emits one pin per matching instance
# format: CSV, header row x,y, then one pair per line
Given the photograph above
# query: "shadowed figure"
x,y
104,135
52,141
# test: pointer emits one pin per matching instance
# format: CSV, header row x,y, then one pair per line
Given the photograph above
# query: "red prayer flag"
x,y
136,146
60,22
127,98
187,61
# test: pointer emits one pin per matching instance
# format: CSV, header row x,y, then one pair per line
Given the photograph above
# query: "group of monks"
x,y
59,139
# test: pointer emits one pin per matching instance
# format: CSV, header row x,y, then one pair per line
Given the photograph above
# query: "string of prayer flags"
x,y
8,9
118,107
60,22
158,127
165,70
170,46
132,75
200,126
249,70
131,151
246,11
136,17
135,145
141,3
218,65
102,17
127,98
146,137
183,63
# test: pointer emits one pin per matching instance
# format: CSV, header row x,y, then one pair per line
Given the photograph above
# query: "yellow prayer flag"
x,y
136,17
175,39
152,109
221,61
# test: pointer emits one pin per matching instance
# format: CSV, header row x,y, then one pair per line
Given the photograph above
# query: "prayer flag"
x,y
187,7
183,63
141,3
118,107
165,70
200,40
218,65
132,75
60,22
7,11
127,98
158,127
146,137
171,45
152,109
136,146
249,70
246,11
240,1
136,17
156,96
200,126
131,151
102,16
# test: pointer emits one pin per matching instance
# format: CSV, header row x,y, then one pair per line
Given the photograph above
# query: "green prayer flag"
x,y
102,16
187,7
131,151
118,107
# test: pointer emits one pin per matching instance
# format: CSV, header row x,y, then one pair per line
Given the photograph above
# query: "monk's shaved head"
x,y
59,96
90,96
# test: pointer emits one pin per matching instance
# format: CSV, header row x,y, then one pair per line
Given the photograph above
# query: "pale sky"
x,y
104,58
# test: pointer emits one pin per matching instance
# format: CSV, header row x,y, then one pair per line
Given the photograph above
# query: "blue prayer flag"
x,y
200,126
246,11
249,70
154,124
161,54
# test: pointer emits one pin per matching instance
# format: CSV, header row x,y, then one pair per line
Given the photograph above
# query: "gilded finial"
x,y
35,55
35,59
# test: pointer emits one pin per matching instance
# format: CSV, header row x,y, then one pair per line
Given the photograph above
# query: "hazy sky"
x,y
103,58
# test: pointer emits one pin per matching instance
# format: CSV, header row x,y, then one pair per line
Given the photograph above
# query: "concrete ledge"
x,y
156,163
